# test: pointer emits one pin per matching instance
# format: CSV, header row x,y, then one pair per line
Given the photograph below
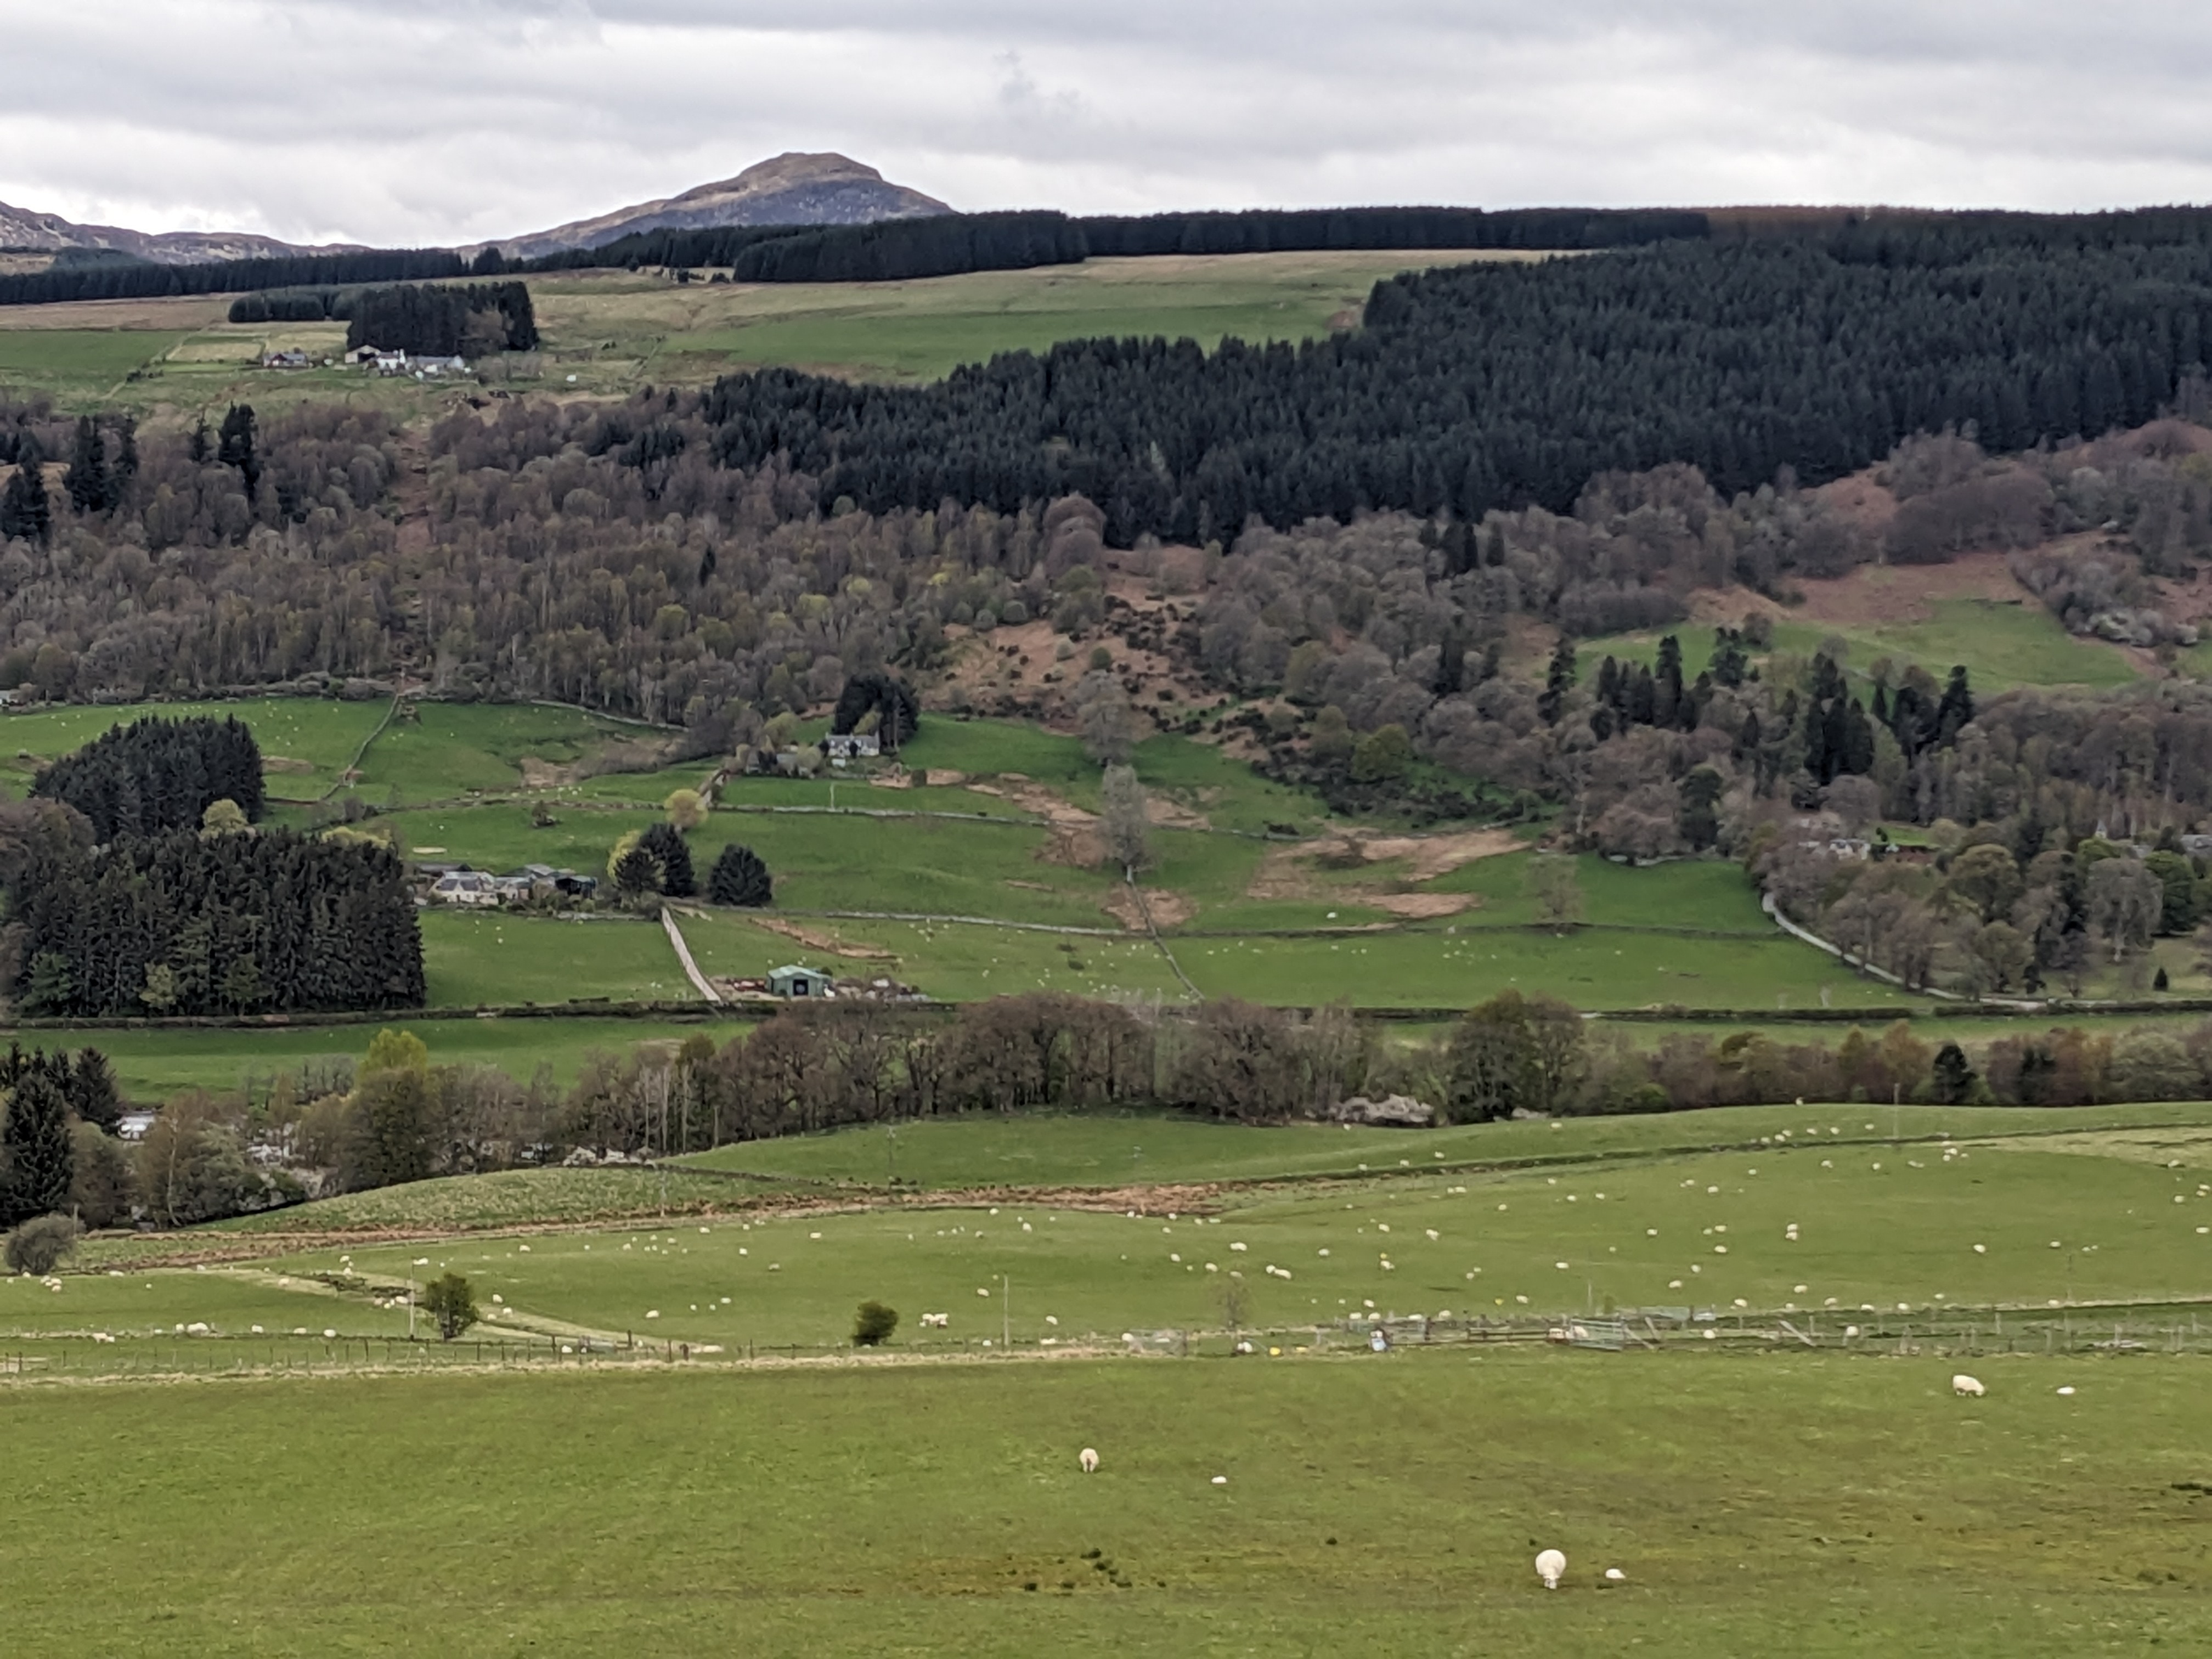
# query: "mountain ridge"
x,y
795,188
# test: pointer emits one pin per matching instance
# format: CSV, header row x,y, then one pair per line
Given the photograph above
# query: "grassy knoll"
x,y
153,1064
1371,1506
305,742
2004,644
494,959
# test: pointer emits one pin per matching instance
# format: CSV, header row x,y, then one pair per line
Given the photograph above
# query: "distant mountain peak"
x,y
795,188
22,230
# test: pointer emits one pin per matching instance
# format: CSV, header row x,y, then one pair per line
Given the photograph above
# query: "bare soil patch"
x,y
1419,907
1286,872
823,942
1168,909
1873,594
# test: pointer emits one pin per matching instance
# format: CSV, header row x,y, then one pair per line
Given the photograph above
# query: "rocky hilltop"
x,y
793,188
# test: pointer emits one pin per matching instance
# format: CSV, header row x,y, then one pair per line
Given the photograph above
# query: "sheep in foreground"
x,y
1089,1459
1551,1567
1963,1384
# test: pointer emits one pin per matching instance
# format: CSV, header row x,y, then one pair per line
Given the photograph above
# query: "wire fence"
x,y
2168,1329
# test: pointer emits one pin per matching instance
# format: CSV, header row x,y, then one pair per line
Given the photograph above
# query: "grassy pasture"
x,y
1371,1506
490,959
610,328
76,365
450,749
1664,1220
956,960
305,743
1114,1150
2004,643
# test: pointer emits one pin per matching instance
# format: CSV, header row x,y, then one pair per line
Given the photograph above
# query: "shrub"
x,y
41,1244
873,1324
450,1301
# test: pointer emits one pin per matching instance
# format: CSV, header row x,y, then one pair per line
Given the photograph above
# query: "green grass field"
x,y
2003,644
1826,1504
608,332
489,960
1753,1492
607,327
305,743
1656,1220
76,363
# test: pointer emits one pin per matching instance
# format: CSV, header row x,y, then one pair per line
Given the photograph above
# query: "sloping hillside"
x,y
791,189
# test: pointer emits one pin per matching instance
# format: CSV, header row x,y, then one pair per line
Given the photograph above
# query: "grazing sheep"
x,y
1963,1384
1089,1459
1551,1566
930,1321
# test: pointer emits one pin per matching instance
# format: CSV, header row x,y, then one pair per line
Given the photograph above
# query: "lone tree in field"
x,y
41,1244
1124,826
686,809
740,878
1556,888
873,1324
450,1301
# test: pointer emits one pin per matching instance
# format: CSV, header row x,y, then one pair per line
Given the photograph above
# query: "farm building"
x,y
798,982
841,747
466,887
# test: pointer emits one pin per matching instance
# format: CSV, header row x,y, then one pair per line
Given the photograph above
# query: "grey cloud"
x,y
441,120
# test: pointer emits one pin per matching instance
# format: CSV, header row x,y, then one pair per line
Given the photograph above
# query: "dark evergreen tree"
x,y
665,845
1700,793
1956,708
36,1140
1451,664
898,711
1952,1080
93,1094
636,873
740,878
157,775
90,487
25,511
1559,681
235,446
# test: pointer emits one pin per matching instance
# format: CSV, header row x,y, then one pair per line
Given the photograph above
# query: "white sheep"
x,y
1963,1384
1089,1459
930,1321
1551,1567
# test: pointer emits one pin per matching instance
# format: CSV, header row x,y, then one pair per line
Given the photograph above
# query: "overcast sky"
x,y
441,121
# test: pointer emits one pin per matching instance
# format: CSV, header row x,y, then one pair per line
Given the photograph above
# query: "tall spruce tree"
x,y
90,489
740,878
36,1140
26,512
